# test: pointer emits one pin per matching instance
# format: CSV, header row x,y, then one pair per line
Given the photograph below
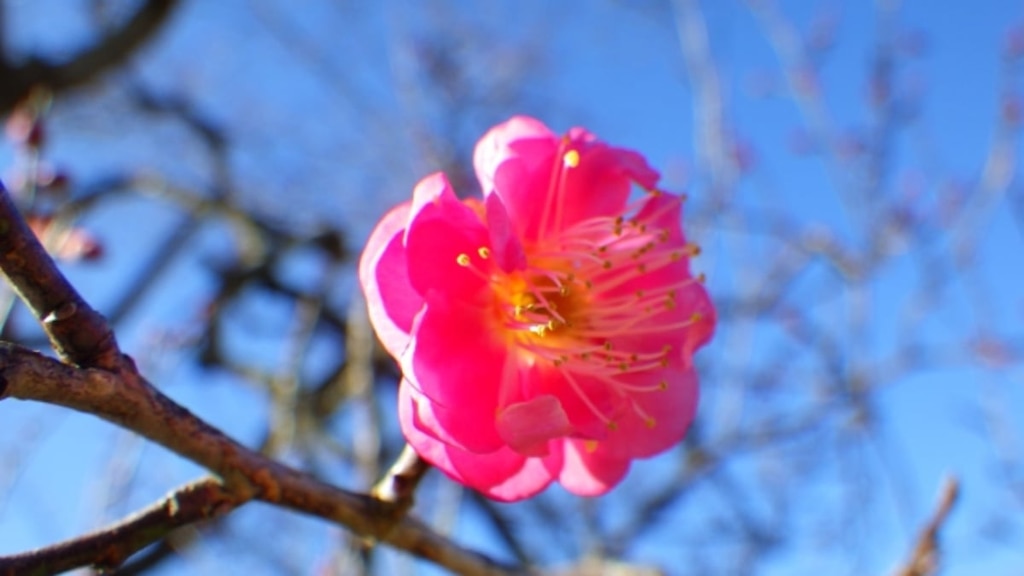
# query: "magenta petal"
x,y
433,190
672,411
664,212
471,431
457,361
535,475
590,472
508,251
528,426
693,307
510,139
485,470
601,184
384,276
696,297
524,193
428,447
522,162
506,475
442,229
502,475
588,403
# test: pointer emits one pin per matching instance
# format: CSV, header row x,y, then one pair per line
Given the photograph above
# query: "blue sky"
x,y
324,110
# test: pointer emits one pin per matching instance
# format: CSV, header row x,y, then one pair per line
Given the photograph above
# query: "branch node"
x,y
63,312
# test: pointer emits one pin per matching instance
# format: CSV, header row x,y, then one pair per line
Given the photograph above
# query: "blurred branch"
x,y
710,137
108,52
924,560
503,526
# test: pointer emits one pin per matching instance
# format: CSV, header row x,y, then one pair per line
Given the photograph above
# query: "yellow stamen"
x,y
571,159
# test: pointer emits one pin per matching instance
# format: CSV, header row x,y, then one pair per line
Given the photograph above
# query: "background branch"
x,y
108,52
924,560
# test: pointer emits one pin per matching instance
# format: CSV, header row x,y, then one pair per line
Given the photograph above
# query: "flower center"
x,y
594,300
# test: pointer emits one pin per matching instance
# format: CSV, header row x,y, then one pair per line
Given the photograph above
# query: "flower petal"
x,y
457,361
589,471
664,212
441,229
528,426
515,137
391,300
696,298
522,162
472,431
507,475
601,182
672,411
428,447
587,403
508,251
535,475
502,475
523,184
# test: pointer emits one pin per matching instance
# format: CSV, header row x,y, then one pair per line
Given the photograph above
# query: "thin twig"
x,y
109,547
924,560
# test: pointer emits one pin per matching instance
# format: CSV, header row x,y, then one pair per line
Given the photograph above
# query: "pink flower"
x,y
545,332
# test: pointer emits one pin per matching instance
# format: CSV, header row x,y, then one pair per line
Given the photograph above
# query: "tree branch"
x,y
925,558
109,51
398,485
132,403
104,382
108,548
77,333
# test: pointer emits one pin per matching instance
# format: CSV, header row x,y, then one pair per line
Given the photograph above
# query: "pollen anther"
x,y
571,159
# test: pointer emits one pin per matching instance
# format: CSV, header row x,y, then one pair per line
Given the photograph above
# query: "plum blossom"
x,y
545,331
